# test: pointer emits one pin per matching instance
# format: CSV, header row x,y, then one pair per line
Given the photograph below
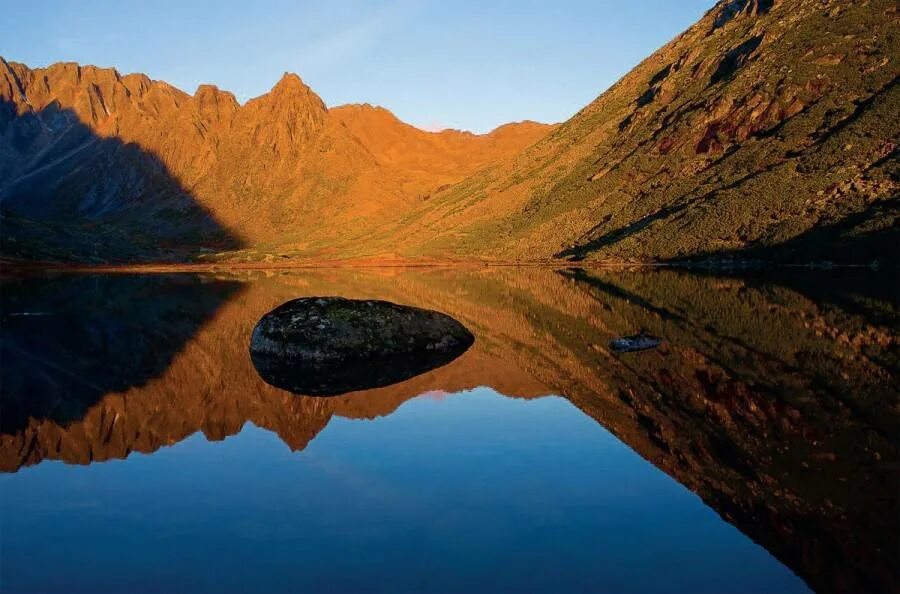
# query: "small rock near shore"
x,y
636,342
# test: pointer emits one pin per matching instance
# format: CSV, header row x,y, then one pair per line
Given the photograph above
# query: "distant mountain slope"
x,y
87,154
769,128
427,160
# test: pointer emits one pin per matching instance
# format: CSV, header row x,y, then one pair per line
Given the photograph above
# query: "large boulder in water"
x,y
322,346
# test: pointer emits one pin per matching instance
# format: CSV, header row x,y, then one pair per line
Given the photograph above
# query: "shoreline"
x,y
12,268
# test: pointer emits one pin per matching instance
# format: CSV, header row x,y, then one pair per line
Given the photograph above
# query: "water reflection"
x,y
70,341
775,402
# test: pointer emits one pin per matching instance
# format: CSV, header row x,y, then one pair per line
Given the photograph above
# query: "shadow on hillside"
x,y
865,237
861,238
67,342
67,194
579,252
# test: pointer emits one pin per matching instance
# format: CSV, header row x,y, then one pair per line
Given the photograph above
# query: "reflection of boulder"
x,y
323,346
69,341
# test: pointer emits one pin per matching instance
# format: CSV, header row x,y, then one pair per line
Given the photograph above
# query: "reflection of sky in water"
x,y
464,492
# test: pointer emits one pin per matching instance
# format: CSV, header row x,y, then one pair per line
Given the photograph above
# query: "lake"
x,y
754,450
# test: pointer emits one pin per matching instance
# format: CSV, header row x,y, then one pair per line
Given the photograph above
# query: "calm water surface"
x,y
754,451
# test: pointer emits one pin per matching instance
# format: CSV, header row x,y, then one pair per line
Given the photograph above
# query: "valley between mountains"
x,y
767,131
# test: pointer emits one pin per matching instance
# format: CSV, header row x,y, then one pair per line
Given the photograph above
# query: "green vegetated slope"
x,y
769,129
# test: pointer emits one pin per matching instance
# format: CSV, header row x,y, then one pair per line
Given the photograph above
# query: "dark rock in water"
x,y
637,342
323,346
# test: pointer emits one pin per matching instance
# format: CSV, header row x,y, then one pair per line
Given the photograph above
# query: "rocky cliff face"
x,y
83,148
768,127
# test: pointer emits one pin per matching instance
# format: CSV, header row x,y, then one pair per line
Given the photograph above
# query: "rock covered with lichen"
x,y
332,345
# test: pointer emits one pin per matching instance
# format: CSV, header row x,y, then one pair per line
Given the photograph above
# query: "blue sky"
x,y
435,63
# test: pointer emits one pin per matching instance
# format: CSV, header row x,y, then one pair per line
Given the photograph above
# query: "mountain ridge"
x,y
240,174
766,131
729,141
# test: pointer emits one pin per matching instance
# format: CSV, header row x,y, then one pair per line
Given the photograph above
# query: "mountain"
x,y
767,129
94,163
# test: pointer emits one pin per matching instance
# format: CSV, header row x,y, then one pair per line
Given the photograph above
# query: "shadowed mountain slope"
x,y
68,193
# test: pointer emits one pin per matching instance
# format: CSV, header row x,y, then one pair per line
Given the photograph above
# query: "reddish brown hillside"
x,y
82,146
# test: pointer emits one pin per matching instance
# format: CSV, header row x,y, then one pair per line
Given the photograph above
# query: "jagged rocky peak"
x,y
9,84
286,118
290,96
292,86
137,84
214,107
210,96
290,80
71,74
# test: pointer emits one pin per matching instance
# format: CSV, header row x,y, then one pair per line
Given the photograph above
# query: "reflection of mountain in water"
x,y
209,385
68,342
778,409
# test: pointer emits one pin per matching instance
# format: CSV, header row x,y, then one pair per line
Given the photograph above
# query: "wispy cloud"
x,y
356,38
